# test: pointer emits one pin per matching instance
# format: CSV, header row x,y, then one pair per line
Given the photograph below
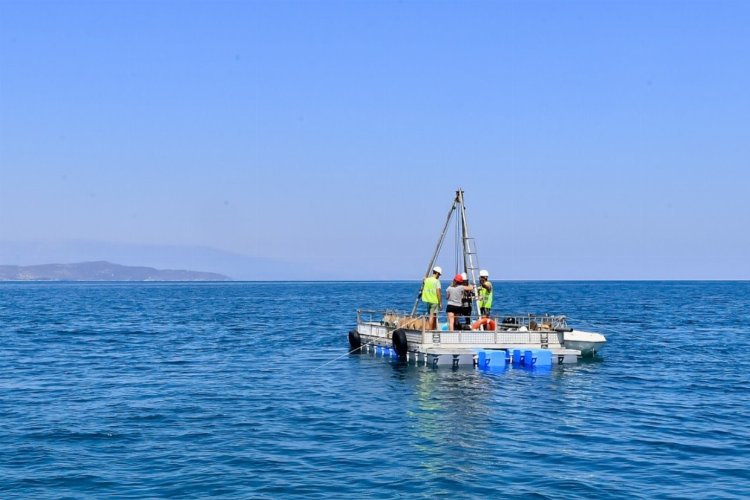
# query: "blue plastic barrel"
x,y
483,361
529,358
543,358
499,361
517,356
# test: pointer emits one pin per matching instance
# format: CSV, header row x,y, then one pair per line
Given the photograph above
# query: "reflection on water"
x,y
450,413
489,416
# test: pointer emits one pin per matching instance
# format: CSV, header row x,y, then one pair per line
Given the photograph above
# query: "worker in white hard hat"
x,y
431,296
485,293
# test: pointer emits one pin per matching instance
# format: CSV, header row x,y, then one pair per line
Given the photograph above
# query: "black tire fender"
x,y
399,342
355,341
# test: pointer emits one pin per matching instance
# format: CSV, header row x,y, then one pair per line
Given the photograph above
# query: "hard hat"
x,y
484,274
437,269
458,278
464,277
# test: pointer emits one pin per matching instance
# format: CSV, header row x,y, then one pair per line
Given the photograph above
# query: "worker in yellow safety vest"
x,y
485,293
431,296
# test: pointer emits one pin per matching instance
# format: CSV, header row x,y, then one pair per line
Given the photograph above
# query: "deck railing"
x,y
503,322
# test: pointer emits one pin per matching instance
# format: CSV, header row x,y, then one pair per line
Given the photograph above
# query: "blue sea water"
x,y
246,390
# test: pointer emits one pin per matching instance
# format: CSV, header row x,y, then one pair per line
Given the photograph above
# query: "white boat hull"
x,y
588,343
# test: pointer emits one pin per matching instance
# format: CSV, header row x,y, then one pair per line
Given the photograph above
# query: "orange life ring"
x,y
486,322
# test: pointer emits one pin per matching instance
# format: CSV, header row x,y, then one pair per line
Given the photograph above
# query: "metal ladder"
x,y
544,337
470,260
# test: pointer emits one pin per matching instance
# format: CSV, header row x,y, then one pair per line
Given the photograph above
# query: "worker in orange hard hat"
x,y
454,295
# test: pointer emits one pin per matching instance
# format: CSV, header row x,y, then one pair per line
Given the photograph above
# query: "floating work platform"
x,y
546,337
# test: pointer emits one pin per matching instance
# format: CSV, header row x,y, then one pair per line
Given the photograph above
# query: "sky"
x,y
326,139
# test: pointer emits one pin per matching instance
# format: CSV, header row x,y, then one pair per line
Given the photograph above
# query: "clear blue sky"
x,y
594,140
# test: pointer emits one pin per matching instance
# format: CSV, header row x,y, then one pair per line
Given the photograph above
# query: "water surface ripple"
x,y
245,390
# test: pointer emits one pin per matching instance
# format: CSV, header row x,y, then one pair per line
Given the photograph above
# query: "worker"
x,y
454,295
431,296
485,293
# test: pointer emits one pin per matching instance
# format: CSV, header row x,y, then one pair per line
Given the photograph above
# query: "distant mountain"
x,y
238,266
101,271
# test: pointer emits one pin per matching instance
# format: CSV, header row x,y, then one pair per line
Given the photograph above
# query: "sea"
x,y
247,390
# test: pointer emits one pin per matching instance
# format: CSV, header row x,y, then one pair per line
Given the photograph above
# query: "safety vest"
x,y
485,297
430,290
